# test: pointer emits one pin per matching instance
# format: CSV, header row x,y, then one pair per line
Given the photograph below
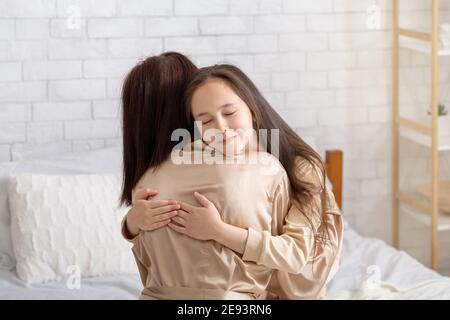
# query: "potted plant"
x,y
444,120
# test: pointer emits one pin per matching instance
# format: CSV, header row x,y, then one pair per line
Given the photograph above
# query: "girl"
x,y
226,83
225,271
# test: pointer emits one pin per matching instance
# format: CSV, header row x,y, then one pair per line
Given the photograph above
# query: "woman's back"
x,y
243,194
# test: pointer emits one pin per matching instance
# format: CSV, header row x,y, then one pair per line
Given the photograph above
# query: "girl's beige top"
x,y
279,255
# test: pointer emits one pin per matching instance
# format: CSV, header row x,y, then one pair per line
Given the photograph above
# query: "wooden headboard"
x,y
334,170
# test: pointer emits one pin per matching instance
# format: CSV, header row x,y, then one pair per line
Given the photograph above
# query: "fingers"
x,y
179,220
164,209
177,228
165,216
158,225
159,203
160,221
202,199
145,193
183,214
187,207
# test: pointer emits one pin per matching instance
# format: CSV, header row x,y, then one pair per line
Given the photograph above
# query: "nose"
x,y
222,125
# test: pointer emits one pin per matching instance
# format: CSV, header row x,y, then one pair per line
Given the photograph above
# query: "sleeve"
x,y
124,230
302,270
125,233
142,261
289,250
311,283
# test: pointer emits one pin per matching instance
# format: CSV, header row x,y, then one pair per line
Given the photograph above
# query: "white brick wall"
x,y
315,61
79,89
23,9
32,28
115,28
171,26
201,7
53,111
6,29
51,70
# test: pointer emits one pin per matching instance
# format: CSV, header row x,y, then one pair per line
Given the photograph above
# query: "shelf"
x,y
443,194
422,42
443,219
421,46
443,140
418,205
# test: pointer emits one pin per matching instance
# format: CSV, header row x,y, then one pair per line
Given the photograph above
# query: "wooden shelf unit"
x,y
428,135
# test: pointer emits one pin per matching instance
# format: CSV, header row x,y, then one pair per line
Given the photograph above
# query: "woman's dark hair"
x,y
291,146
152,105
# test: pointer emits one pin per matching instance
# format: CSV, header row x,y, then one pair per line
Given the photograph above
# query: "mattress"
x,y
362,259
124,287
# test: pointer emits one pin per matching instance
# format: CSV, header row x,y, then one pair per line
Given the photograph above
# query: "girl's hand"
x,y
149,215
201,223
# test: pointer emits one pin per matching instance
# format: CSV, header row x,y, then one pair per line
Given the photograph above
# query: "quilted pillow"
x,y
106,160
66,223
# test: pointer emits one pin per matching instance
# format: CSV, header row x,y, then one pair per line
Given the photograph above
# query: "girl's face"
x,y
226,120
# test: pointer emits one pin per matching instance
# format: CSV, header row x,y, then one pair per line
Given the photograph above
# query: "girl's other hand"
x,y
149,215
200,223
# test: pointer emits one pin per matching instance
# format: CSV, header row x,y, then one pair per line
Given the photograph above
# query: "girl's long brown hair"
x,y
152,108
291,146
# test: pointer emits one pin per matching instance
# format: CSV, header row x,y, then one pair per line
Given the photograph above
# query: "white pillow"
x,y
67,221
105,160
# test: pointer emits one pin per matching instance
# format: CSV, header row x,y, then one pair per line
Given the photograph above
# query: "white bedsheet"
x,y
363,260
437,289
371,269
124,287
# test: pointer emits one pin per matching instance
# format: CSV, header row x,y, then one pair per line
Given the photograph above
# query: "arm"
x,y
205,223
290,249
147,215
232,237
311,283
288,252
128,233
308,278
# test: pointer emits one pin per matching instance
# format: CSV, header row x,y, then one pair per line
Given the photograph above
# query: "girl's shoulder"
x,y
269,163
271,170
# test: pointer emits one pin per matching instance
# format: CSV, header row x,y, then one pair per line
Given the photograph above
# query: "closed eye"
x,y
230,113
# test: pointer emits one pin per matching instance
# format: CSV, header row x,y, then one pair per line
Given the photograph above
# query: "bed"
x,y
370,269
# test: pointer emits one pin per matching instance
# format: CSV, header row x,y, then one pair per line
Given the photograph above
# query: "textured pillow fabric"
x,y
61,223
107,160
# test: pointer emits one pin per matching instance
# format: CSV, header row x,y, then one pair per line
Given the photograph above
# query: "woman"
x,y
296,238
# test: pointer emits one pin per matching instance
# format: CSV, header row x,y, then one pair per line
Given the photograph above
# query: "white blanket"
x,y
438,289
126,287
